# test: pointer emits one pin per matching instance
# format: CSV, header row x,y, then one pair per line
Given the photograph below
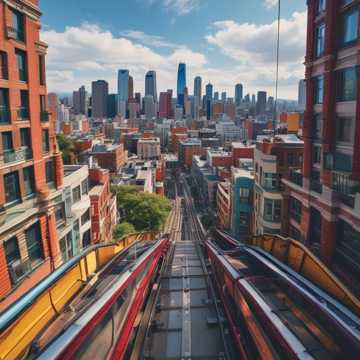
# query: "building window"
x,y
270,181
21,62
317,126
320,6
319,90
7,141
12,252
343,130
346,85
85,217
42,69
45,141
66,247
12,188
76,194
320,40
291,159
34,244
295,209
86,239
29,183
272,210
60,215
350,27
18,22
25,137
4,106
85,187
49,169
4,70
23,112
316,155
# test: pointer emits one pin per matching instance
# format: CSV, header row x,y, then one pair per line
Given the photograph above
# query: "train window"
x,y
120,308
99,342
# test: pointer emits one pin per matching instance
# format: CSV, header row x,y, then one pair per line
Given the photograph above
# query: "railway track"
x,y
183,319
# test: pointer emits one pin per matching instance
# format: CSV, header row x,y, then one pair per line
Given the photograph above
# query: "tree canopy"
x,y
67,148
123,229
143,210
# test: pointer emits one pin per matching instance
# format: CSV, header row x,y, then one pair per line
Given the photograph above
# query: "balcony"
x,y
15,34
5,116
23,113
16,155
345,187
44,116
316,186
296,178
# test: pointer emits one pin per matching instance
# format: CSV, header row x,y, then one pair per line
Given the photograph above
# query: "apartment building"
x,y
30,164
149,148
324,200
275,158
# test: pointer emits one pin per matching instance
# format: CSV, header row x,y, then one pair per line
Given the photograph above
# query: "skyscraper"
x,y
100,91
131,88
150,85
123,85
302,95
165,104
261,103
209,98
181,83
216,96
223,96
198,90
238,94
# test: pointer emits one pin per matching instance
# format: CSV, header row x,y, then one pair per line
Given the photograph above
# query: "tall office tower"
x,y
198,91
131,88
149,107
325,200
76,102
150,85
247,98
253,100
261,103
31,168
99,91
138,100
238,94
302,95
123,85
270,104
112,105
80,101
165,104
223,96
216,96
181,83
209,99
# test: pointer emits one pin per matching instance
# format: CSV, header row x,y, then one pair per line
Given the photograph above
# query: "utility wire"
x,y
277,65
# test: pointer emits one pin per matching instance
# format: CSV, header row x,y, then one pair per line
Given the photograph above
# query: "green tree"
x,y
144,211
67,148
123,229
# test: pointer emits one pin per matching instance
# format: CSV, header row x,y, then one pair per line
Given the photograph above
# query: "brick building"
x,y
324,200
149,148
187,149
111,157
30,164
223,205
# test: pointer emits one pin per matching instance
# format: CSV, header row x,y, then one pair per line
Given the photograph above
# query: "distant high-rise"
x,y
261,103
238,94
83,100
253,99
209,98
100,91
149,107
76,102
150,84
223,96
165,104
302,95
198,90
112,104
181,84
216,96
123,85
131,88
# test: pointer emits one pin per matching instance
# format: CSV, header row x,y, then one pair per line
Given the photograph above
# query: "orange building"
x,y
31,168
111,157
67,128
187,149
177,134
241,151
290,121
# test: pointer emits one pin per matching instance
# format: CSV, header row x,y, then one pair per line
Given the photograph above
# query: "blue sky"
x,y
224,41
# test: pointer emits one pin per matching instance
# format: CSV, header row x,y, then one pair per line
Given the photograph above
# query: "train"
x,y
277,314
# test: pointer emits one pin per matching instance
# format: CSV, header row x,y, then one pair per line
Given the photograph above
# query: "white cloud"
x,y
79,55
271,3
181,7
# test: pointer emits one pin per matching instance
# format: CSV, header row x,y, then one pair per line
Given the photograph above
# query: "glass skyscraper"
x,y
181,84
238,94
123,85
197,91
150,84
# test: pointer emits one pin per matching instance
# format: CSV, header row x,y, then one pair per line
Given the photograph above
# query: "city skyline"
x,y
220,52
